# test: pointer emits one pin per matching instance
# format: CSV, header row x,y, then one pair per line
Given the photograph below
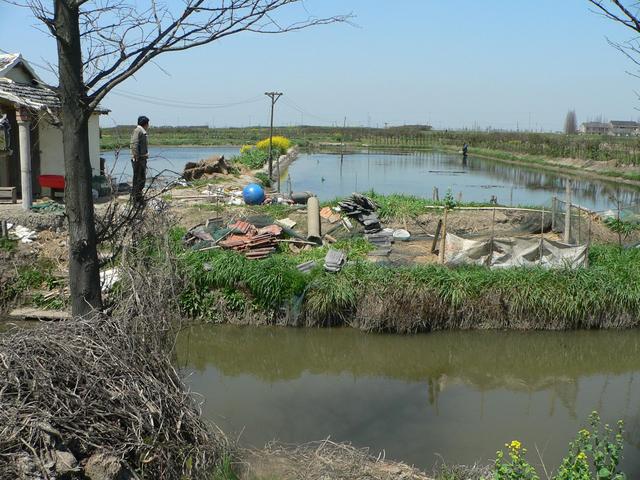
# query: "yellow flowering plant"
x,y
280,145
601,445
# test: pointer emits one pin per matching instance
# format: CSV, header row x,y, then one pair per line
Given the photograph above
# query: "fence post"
x,y
493,231
554,206
567,213
541,235
434,245
588,242
579,226
5,231
436,196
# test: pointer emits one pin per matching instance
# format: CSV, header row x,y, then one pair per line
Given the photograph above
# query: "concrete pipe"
x,y
313,220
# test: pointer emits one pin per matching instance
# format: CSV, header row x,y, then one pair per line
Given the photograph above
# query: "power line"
x,y
121,92
179,103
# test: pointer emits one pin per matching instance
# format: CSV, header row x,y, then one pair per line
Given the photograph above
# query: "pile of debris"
x,y
254,242
215,164
363,210
242,236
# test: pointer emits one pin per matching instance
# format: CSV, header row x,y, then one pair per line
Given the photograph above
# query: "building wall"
x,y
19,75
51,148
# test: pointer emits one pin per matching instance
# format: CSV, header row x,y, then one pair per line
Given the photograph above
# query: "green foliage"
x,y
264,179
34,276
224,470
600,445
432,296
271,283
514,465
621,227
395,206
449,201
253,158
8,245
594,455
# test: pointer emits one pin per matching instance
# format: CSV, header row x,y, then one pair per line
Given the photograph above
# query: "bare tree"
x,y
100,44
627,13
571,123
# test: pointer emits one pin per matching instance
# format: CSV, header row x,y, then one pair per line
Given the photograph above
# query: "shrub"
x,y
253,158
264,179
280,145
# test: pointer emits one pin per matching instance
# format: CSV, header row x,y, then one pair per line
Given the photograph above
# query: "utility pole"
x,y
274,96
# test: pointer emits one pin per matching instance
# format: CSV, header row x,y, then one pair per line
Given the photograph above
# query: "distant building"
x,y
614,127
623,128
595,128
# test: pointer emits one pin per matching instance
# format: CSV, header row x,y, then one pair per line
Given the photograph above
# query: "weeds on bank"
x,y
594,455
37,276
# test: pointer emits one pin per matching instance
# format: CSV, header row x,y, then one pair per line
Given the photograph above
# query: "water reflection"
x,y
417,173
459,394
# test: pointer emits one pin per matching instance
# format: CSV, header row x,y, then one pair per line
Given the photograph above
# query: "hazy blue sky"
x,y
451,63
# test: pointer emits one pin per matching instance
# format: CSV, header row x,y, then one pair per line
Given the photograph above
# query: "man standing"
x,y
139,156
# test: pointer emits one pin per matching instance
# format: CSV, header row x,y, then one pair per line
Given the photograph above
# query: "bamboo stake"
x,y
443,241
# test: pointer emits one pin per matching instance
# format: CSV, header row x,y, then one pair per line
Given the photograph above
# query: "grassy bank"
x,y
224,286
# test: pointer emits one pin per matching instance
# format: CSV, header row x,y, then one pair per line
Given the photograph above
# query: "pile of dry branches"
x,y
327,460
92,396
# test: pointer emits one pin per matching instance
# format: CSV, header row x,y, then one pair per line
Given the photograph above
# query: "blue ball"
x,y
253,194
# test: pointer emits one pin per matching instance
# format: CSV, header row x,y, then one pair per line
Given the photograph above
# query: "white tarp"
x,y
514,252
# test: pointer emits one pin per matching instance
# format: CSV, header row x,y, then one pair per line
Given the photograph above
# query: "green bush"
x,y
253,158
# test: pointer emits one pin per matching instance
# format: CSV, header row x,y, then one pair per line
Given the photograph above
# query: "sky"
x,y
503,64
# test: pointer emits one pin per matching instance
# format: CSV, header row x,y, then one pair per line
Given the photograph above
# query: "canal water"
x,y
457,396
416,173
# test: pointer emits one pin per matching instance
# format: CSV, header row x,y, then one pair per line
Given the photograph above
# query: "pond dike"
x,y
226,287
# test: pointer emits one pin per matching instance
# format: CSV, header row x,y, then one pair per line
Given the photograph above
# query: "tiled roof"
x,y
7,60
31,96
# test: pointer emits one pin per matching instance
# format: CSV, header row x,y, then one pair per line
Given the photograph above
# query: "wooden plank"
x,y
29,313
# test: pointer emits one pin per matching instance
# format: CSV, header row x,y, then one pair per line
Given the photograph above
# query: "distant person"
x,y
465,150
139,157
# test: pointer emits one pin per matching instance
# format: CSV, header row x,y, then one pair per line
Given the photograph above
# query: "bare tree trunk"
x,y
84,274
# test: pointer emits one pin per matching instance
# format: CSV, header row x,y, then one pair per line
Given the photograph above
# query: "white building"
x,y
34,136
595,128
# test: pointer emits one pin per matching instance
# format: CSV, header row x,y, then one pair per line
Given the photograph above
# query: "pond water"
x,y
458,395
171,160
416,173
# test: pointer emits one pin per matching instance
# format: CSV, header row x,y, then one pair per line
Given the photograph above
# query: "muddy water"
x,y
418,172
459,395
